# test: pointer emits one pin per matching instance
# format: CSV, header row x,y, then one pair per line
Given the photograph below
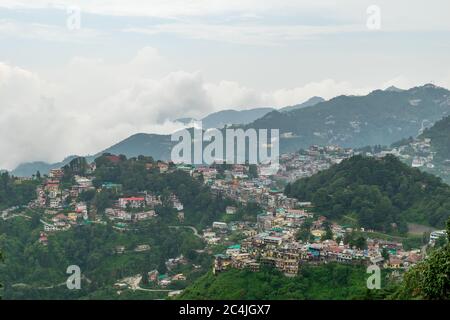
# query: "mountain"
x,y
430,151
439,134
308,103
154,145
393,89
382,194
381,117
226,117
27,169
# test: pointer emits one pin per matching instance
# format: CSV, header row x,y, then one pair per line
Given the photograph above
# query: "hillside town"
x,y
271,240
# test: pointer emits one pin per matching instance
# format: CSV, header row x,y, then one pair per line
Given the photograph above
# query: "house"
x,y
133,202
43,238
153,275
230,210
394,263
120,249
164,280
72,216
144,215
56,173
163,167
436,235
178,205
59,220
55,203
113,158
142,248
174,293
219,225
50,227
221,263
116,187
179,277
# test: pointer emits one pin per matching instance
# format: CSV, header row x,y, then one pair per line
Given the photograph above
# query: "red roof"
x,y
113,158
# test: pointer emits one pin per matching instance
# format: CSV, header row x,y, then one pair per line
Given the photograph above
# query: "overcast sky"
x,y
136,65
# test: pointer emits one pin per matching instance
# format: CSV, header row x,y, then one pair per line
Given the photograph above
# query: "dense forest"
x,y
14,192
383,194
29,264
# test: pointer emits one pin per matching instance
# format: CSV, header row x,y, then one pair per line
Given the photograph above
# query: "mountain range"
x,y
228,117
308,103
380,118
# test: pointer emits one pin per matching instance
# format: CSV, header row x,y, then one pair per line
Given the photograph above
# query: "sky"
x,y
79,76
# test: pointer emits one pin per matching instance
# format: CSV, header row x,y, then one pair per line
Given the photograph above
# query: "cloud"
x,y
246,34
89,104
46,32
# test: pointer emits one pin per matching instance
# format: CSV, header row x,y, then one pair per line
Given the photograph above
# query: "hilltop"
x,y
382,194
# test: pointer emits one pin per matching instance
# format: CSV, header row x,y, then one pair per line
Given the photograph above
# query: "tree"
x,y
361,243
145,280
253,171
429,279
1,260
328,235
385,254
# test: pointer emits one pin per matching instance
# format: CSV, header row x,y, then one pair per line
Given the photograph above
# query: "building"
x,y
219,225
133,202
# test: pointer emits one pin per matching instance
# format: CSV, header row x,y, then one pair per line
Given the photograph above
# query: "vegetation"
x,y
15,192
439,134
330,281
34,271
383,194
429,279
357,121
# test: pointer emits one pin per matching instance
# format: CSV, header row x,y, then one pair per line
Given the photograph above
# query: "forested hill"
x,y
381,117
382,194
439,134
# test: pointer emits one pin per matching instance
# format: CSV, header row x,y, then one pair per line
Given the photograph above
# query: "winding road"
x,y
188,227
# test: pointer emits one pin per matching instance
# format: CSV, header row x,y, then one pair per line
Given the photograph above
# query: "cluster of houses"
x,y
141,207
63,208
272,242
307,162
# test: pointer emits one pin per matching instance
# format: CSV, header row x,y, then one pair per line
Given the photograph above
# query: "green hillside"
x,y
439,134
382,194
331,281
381,117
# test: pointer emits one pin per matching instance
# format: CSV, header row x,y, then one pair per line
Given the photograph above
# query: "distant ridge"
x,y
227,117
379,118
308,103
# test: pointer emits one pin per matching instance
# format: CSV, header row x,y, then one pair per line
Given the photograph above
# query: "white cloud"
x,y
90,104
246,34
45,32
